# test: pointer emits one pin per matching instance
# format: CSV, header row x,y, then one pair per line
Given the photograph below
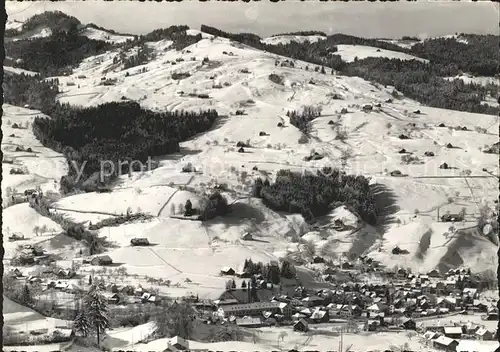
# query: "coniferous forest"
x,y
115,132
314,195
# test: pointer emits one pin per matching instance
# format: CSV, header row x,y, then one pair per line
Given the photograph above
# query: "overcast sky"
x,y
388,20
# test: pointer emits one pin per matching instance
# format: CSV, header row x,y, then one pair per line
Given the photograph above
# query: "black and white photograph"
x,y
250,176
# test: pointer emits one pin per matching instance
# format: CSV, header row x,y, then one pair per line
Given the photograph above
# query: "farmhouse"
x,y
446,344
484,334
301,325
139,242
177,344
227,271
249,322
453,332
102,260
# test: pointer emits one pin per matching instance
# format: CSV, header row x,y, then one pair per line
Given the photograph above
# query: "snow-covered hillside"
x,y
99,34
350,52
240,81
18,71
27,164
285,39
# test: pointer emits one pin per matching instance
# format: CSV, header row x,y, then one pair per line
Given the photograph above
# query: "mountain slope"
x,y
241,81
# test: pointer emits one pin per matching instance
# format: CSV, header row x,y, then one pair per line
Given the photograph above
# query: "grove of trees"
x,y
115,132
314,195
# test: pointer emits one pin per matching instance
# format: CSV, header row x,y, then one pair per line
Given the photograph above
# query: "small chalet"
x,y
227,271
453,332
247,236
177,344
445,344
409,324
102,260
484,334
312,301
492,314
301,325
434,273
319,316
111,298
139,242
249,322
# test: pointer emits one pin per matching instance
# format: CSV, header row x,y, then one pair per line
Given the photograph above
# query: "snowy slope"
x,y
372,136
99,34
285,39
350,52
18,71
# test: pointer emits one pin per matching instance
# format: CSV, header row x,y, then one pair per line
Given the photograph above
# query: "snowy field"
x,y
350,52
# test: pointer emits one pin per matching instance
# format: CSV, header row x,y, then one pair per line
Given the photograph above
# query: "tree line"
x,y
56,21
418,81
56,54
313,195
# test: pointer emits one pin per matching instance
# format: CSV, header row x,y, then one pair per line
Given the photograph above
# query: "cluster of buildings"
x,y
401,302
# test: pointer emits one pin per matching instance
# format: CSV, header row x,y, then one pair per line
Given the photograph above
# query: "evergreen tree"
x,y
244,284
82,324
323,70
97,308
233,284
26,297
188,208
287,270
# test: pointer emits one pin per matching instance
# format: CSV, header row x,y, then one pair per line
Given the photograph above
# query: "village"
x,y
372,299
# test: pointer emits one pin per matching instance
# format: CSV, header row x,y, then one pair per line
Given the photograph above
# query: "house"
x,y
347,266
480,306
312,301
431,335
139,242
409,324
434,273
401,273
111,298
484,334
447,302
227,271
318,259
470,292
301,325
372,325
446,344
102,260
249,322
453,332
451,217
177,344
247,236
65,273
319,316
16,273
377,308
492,314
